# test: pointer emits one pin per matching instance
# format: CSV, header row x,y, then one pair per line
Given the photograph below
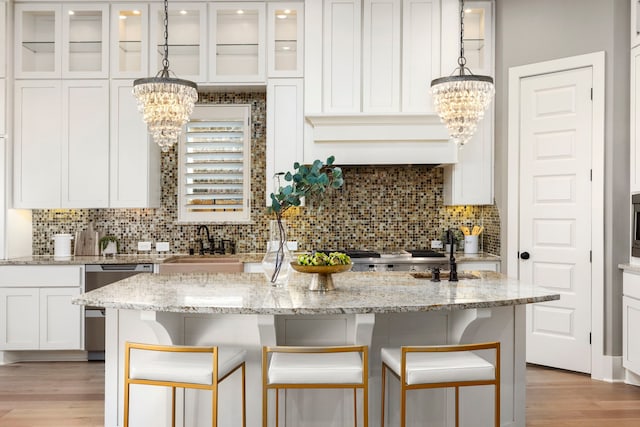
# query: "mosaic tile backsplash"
x,y
383,208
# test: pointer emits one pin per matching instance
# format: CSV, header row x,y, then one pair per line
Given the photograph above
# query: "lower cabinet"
x,y
36,312
630,321
479,266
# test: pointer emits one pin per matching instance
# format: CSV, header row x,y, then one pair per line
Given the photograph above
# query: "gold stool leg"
x,y
173,406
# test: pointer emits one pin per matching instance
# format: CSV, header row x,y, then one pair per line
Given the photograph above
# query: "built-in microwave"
x,y
635,237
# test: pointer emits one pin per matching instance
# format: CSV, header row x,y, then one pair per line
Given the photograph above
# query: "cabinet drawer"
x,y
41,276
631,284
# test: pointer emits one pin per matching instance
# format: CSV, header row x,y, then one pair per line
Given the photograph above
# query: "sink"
x,y
201,264
444,275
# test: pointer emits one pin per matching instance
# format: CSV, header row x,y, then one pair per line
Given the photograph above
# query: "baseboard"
x,y
7,357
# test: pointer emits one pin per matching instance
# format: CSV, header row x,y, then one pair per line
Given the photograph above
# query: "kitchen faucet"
x,y
212,248
198,233
453,269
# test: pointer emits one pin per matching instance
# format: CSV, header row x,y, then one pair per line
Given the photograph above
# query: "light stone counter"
x,y
357,293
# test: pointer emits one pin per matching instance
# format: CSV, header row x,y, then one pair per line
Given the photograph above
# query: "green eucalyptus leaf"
x,y
330,160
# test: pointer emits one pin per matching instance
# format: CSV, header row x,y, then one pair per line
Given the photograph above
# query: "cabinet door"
x,y
60,321
85,144
420,53
129,52
285,127
285,39
135,159
38,39
187,40
341,51
3,40
635,23
85,41
237,38
19,321
635,120
38,142
381,56
630,337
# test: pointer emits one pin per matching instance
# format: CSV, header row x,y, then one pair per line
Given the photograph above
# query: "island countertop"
x,y
356,293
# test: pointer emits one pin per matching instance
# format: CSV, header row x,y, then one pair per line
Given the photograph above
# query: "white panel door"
x,y
38,142
85,144
381,56
60,321
19,319
555,215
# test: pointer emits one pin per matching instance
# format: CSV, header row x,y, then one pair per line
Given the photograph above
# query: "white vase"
x,y
276,263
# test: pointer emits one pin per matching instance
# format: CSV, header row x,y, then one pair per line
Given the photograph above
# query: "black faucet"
x,y
453,269
198,233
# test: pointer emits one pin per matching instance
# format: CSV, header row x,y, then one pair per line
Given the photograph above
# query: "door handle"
x,y
524,255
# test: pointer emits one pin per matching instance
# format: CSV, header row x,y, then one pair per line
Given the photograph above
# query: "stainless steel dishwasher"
x,y
97,276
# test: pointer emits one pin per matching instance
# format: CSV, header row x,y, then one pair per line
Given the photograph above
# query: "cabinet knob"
x,y
524,255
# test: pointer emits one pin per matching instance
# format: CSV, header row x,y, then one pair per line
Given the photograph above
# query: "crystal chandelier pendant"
x,y
165,102
461,100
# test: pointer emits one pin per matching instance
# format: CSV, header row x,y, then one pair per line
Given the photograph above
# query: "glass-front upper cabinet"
x,y
129,41
285,39
54,41
85,35
38,38
478,37
187,38
237,39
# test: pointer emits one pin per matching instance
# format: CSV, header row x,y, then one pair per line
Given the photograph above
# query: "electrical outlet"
x,y
292,245
162,246
144,246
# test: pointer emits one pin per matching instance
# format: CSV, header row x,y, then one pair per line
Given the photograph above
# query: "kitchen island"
x,y
375,309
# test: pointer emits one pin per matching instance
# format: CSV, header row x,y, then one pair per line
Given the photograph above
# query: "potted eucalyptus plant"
x,y
304,182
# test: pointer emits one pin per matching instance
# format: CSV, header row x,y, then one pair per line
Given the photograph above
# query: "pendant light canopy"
x,y
461,99
165,102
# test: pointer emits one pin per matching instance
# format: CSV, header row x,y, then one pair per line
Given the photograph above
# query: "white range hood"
x,y
378,139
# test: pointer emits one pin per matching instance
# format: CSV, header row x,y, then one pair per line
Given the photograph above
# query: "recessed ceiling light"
x,y
71,12
123,17
286,48
136,12
468,10
287,11
183,12
281,16
240,11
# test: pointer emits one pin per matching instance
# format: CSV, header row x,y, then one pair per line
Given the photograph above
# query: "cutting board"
x,y
86,242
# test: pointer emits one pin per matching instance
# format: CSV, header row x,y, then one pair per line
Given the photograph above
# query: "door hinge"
x,y
590,256
592,94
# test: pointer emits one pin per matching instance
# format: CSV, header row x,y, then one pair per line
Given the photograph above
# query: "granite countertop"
x,y
635,268
159,259
356,293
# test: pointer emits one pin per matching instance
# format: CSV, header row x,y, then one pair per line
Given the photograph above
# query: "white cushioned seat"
x,y
315,368
193,368
439,367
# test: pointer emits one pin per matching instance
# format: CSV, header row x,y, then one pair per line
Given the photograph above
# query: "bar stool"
x,y
185,367
441,366
315,367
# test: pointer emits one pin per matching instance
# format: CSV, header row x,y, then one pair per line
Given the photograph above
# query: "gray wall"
x,y
530,31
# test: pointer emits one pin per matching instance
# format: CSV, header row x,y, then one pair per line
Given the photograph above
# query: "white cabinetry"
x,y
35,308
187,41
62,144
237,39
470,180
3,42
285,39
135,160
635,23
284,128
129,40
54,40
635,121
630,322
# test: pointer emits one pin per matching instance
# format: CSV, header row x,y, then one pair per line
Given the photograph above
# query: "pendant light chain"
x,y
165,59
462,61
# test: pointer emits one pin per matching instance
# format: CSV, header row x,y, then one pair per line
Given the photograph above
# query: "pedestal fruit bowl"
x,y
322,266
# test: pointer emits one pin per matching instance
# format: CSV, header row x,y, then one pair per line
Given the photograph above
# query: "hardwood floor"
x,y
71,394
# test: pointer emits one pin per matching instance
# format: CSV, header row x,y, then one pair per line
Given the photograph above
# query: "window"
x,y
214,161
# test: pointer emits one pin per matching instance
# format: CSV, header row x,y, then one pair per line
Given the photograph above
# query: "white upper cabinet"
x,y
54,41
635,23
61,144
285,39
129,41
135,159
187,39
237,37
635,121
3,40
470,180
